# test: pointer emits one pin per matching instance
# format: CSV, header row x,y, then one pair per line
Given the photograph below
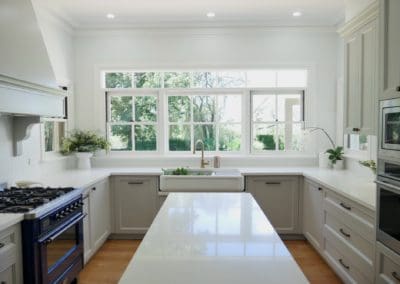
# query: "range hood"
x,y
27,82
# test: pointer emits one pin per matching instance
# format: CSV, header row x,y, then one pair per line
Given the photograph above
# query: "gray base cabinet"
x,y
97,224
135,203
278,197
387,265
313,213
11,256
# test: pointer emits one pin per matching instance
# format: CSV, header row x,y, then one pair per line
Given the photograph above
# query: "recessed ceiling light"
x,y
110,16
211,14
296,14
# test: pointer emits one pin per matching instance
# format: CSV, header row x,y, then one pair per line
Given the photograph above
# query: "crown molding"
x,y
370,13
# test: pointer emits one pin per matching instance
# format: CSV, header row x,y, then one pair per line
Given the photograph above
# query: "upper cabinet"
x,y
390,49
361,72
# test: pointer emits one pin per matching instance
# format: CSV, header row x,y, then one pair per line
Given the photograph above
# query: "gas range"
x,y
52,231
35,201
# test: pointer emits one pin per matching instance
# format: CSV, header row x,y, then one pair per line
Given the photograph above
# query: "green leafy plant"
x,y
83,141
369,164
180,172
335,154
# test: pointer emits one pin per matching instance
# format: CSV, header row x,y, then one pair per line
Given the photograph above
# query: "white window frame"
x,y
133,93
253,123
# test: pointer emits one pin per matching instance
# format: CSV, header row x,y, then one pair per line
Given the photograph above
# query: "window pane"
x,y
229,137
121,137
146,108
264,137
281,136
177,79
264,108
204,108
230,108
358,142
179,138
118,80
145,138
206,133
179,108
48,136
205,79
297,138
121,109
289,107
231,79
148,80
292,78
261,79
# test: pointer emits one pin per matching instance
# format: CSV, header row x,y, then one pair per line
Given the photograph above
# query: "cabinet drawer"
x,y
360,219
7,275
351,237
388,267
343,265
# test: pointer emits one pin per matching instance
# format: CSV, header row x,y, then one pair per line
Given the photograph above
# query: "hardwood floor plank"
x,y
108,264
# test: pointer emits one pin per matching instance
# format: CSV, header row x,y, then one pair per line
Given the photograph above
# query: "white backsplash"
x,y
29,165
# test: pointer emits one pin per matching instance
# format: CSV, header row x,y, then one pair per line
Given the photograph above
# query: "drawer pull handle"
x,y
272,183
356,129
1,245
345,206
396,276
344,265
135,182
344,233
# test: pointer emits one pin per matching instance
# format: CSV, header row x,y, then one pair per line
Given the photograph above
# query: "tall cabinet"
x,y
389,49
361,77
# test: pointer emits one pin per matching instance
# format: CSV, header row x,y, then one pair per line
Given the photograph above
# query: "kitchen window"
x,y
277,120
255,111
132,121
53,132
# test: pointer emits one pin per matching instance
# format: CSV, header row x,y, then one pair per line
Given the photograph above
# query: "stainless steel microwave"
x,y
389,117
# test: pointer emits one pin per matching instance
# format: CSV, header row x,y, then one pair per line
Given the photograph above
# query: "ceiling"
x,y
181,13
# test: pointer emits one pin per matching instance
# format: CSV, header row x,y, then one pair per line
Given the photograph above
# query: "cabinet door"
x,y
352,83
278,197
387,265
313,213
100,211
369,78
8,275
87,239
390,48
135,203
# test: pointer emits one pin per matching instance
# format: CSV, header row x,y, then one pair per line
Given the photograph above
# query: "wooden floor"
x,y
107,266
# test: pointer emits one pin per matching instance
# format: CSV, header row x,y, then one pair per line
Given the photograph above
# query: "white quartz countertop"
x,y
358,189
9,219
212,238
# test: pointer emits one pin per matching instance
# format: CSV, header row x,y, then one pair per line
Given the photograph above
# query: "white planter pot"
x,y
83,160
323,160
338,165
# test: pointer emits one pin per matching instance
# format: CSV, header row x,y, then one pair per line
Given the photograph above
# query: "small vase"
x,y
84,160
338,165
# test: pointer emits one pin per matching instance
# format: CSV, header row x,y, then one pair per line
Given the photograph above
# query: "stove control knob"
x,y
58,217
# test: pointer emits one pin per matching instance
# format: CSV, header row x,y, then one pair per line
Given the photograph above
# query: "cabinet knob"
x,y
93,188
398,89
2,245
319,188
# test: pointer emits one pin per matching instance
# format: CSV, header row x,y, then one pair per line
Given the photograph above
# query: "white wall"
x,y
207,48
28,166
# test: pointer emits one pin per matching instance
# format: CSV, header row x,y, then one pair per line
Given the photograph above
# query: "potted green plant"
x,y
336,157
83,144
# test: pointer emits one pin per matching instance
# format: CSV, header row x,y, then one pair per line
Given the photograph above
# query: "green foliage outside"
x,y
268,142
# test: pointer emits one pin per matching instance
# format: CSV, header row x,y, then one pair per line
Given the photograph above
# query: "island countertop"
x,y
212,238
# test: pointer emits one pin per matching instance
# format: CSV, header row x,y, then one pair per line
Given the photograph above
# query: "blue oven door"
x,y
62,252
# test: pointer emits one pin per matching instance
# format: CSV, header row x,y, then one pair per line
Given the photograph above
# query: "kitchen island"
x,y
212,238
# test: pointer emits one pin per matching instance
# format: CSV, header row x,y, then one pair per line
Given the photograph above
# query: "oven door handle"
x,y
48,240
388,185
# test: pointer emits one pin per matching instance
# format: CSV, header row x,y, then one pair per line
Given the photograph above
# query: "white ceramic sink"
x,y
211,180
